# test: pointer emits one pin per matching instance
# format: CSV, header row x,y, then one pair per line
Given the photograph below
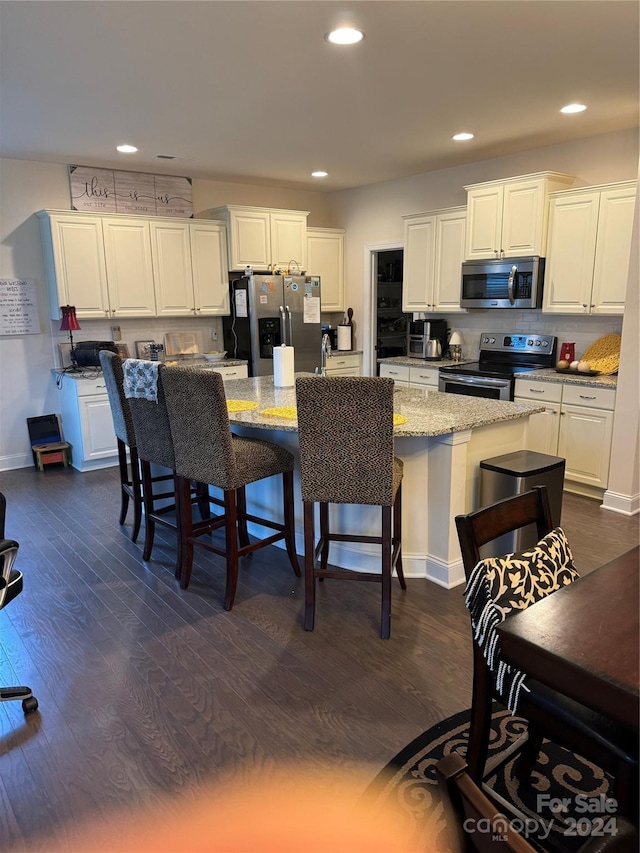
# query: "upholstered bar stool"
x,y
206,450
345,428
130,479
155,446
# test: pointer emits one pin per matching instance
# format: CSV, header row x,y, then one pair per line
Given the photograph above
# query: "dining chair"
x,y
206,450
130,479
10,587
474,824
494,587
345,431
155,447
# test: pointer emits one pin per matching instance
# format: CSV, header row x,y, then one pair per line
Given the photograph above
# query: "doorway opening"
x,y
390,327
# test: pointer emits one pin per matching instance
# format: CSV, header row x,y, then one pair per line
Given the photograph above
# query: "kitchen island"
x,y
442,443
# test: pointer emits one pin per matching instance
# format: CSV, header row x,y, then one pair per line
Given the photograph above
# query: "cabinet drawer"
x,y
340,362
395,371
238,372
596,398
86,387
550,392
423,376
344,371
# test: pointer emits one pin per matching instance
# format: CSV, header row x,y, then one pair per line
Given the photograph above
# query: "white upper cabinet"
x,y
325,257
127,249
433,254
120,266
74,262
589,249
190,268
264,238
508,218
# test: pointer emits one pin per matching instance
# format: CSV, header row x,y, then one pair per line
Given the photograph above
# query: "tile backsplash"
x,y
577,329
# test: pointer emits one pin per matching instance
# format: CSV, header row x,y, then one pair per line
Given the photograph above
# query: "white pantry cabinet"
x,y
508,218
87,423
433,254
577,424
589,249
264,238
325,257
190,268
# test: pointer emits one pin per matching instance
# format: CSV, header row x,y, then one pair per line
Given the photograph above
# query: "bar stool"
x,y
345,428
206,450
130,480
155,446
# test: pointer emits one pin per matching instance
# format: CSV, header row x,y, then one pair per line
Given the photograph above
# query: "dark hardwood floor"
x,y
146,690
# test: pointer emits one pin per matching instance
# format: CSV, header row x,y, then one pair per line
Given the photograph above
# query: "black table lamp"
x,y
70,324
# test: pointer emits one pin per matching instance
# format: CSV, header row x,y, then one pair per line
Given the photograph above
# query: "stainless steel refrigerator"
x,y
270,310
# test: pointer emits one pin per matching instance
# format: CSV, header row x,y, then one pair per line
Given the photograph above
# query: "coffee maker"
x,y
427,339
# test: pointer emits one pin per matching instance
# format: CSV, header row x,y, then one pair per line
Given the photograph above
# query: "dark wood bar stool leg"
x,y
385,620
231,537
397,537
243,533
325,535
289,521
185,529
309,561
124,479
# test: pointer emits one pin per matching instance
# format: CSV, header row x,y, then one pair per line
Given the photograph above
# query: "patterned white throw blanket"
x,y
500,585
140,379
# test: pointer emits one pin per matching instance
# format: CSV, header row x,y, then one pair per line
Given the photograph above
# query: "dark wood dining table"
x,y
583,640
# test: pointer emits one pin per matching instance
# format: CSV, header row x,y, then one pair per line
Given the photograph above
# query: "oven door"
x,y
476,386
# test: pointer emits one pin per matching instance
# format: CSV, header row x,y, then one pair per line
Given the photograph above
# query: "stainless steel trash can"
x,y
515,473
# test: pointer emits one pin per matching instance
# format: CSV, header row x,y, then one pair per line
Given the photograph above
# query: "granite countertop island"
x,y
428,413
441,445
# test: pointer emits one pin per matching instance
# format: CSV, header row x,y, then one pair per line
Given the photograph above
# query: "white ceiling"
x,y
249,91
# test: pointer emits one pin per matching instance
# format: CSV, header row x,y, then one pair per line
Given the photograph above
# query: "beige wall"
x,y
207,194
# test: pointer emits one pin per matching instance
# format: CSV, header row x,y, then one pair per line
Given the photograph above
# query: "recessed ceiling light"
x,y
345,35
462,137
319,174
127,149
573,108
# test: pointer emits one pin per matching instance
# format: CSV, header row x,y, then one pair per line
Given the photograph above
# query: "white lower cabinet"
x,y
577,424
349,364
398,372
238,371
410,376
87,423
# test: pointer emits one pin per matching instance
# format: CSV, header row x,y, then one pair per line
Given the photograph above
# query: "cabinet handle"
x,y
593,305
393,373
197,310
537,391
585,397
584,305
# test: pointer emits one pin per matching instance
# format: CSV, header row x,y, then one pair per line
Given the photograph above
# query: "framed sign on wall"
x,y
107,191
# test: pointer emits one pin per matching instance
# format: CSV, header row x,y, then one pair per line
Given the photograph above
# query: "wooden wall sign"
x,y
18,307
108,191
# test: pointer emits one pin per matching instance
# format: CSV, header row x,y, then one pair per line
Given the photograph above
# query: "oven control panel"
x,y
499,342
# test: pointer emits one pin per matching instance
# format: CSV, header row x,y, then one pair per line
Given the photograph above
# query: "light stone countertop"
x,y
429,413
433,364
551,375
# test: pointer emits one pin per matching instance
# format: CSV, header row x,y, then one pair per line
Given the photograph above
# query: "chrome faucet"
x,y
325,353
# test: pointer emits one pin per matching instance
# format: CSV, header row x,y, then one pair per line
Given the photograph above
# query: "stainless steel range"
x,y
502,357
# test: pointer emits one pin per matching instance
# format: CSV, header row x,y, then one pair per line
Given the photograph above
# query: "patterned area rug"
x,y
408,786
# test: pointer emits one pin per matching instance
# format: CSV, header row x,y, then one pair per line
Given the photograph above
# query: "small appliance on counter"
x,y
87,353
427,339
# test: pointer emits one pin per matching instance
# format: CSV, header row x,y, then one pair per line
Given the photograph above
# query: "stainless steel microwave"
x,y
507,283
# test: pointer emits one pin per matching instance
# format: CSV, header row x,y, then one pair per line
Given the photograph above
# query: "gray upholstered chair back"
x,y
345,429
151,424
197,406
120,411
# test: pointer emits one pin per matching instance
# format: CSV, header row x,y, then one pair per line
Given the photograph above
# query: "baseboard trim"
x,y
622,504
447,575
17,460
